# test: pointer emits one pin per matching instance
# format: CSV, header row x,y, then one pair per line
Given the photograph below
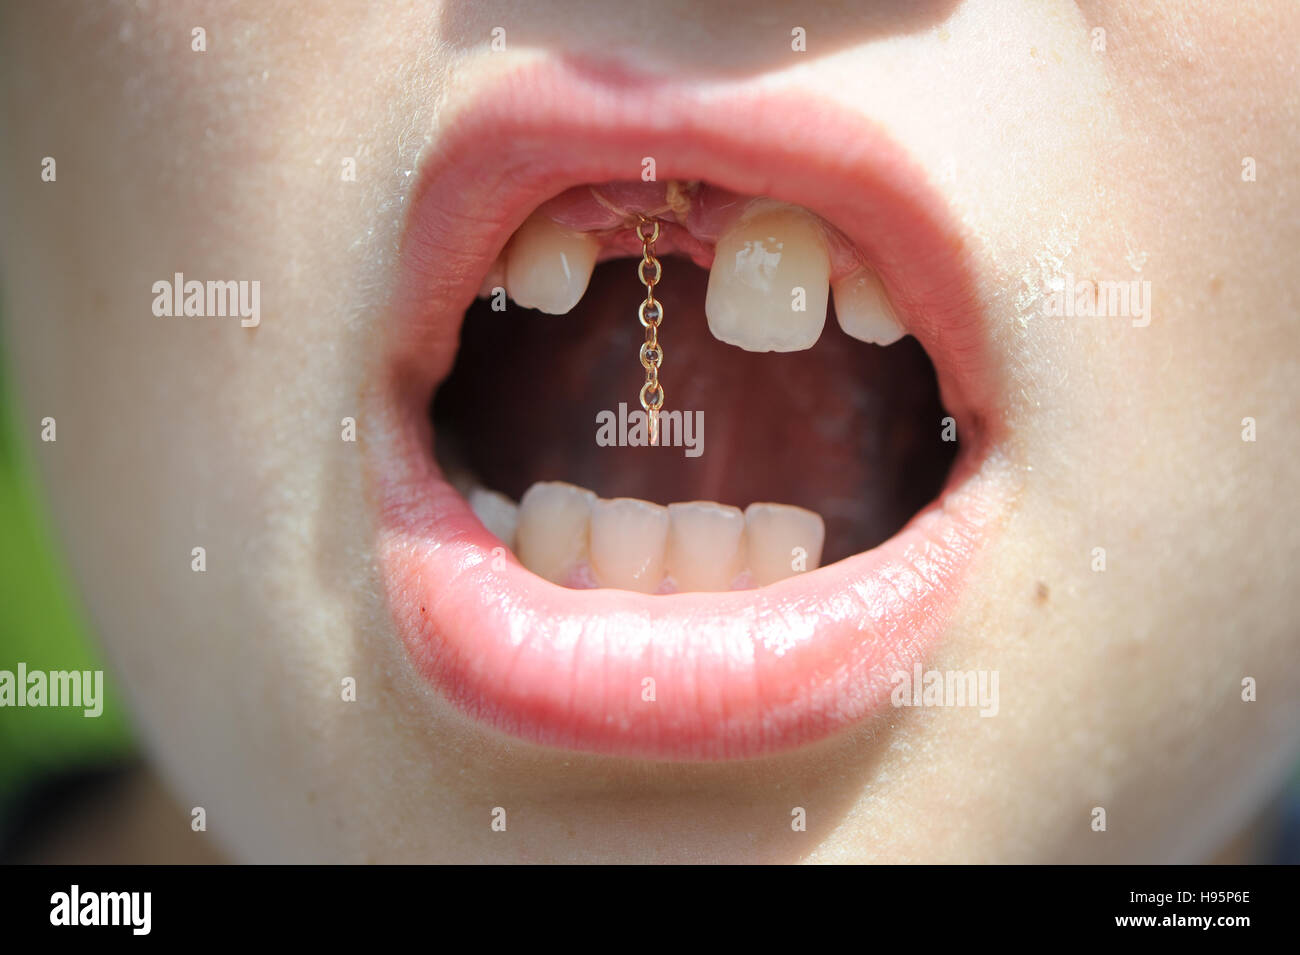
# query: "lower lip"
x,y
673,677
678,677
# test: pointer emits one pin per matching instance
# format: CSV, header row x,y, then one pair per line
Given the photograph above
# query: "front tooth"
x,y
780,540
547,267
498,513
772,251
864,311
705,545
628,539
551,536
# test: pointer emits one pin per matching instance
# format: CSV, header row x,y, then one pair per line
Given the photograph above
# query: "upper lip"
x,y
733,674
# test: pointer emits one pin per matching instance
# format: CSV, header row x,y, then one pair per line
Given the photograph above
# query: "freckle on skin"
x,y
1042,592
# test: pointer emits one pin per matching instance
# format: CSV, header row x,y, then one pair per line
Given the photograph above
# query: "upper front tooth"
x,y
551,536
628,538
781,541
770,280
498,513
547,267
864,311
705,545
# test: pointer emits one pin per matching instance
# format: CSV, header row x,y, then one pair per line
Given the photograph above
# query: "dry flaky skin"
x,y
1120,689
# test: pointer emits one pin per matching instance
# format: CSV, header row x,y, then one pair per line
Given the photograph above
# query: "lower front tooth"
x,y
781,541
863,309
628,540
547,267
498,513
554,520
705,545
770,280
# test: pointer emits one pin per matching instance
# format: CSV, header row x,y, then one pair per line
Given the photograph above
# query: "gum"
x,y
692,216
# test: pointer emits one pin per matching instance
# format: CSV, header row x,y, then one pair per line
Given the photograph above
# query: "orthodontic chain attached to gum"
x,y
651,314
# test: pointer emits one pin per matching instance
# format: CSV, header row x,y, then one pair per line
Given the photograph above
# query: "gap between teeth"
x,y
768,290
571,537
769,287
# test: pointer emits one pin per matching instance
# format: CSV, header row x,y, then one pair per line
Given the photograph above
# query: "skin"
x,y
1120,689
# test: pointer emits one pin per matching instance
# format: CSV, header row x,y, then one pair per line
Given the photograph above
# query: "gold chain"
x,y
651,314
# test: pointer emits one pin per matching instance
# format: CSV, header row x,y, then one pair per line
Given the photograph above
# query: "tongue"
x,y
846,429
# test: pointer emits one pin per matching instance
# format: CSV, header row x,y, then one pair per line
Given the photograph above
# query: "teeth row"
x,y
571,537
768,287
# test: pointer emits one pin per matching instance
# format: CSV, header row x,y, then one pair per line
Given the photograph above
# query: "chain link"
x,y
651,313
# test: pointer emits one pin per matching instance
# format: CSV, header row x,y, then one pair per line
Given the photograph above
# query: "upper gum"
x,y
578,209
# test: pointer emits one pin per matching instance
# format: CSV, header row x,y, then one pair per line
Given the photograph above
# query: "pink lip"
x,y
737,674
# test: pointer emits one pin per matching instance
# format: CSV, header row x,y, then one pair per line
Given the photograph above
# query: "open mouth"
x,y
827,463
794,436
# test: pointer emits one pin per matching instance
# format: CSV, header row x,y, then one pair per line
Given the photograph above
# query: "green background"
x,y
42,625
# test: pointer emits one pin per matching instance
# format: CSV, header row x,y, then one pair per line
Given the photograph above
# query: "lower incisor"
x,y
569,536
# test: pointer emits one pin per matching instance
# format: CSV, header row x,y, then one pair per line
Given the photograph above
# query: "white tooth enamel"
x,y
779,539
771,251
628,540
547,267
498,513
864,311
705,545
551,536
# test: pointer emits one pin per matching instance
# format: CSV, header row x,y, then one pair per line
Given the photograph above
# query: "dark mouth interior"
x,y
847,429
